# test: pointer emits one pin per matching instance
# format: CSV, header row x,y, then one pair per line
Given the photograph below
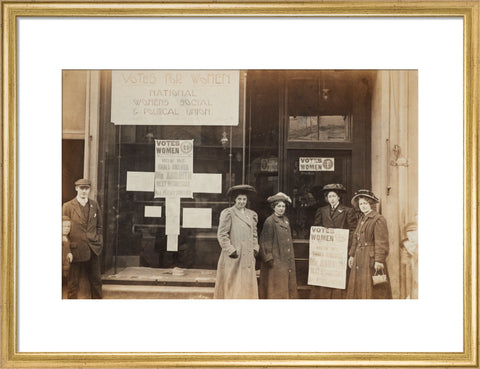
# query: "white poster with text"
x,y
173,168
176,97
328,257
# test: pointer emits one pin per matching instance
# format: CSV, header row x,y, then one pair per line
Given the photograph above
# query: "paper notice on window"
x,y
269,165
172,222
316,164
172,215
153,211
173,168
197,218
207,182
140,181
172,242
328,257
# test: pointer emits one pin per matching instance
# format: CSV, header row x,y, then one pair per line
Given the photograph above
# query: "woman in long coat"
x,y
277,270
369,251
237,236
334,215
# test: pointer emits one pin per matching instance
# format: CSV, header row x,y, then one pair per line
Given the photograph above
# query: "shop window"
x,y
322,128
319,108
140,222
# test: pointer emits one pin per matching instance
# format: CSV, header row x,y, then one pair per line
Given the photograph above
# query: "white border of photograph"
x,y
433,46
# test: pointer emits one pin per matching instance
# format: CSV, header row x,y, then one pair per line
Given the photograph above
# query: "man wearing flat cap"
x,y
86,240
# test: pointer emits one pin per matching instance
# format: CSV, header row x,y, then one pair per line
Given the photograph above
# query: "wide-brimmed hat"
x,y
83,182
243,188
363,193
280,196
335,187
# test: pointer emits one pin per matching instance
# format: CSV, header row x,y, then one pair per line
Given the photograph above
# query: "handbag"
x,y
379,278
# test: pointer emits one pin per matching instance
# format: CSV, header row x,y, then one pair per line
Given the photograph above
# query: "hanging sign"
x,y
328,257
316,164
175,97
269,165
173,168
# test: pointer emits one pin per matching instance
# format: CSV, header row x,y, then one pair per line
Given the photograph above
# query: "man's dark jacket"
x,y
86,231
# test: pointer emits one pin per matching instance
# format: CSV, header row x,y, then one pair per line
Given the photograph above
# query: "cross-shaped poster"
x,y
174,179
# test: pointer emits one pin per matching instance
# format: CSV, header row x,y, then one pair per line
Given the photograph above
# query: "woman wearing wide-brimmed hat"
x,y
334,215
277,270
237,235
369,251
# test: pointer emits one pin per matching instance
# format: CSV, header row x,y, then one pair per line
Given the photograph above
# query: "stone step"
x,y
161,277
173,283
120,291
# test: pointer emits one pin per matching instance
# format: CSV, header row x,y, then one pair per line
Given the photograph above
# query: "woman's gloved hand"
x,y
378,267
234,255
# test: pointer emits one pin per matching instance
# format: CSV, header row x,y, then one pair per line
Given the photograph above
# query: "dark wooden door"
x,y
325,115
72,167
304,180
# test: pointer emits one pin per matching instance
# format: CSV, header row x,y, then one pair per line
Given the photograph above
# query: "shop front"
x,y
161,172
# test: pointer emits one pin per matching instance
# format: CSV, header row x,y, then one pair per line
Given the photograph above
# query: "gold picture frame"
x,y
13,10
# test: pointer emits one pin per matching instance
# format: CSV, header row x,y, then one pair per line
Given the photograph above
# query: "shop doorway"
x,y
308,129
304,180
72,167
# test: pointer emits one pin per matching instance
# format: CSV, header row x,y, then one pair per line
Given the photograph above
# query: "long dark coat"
x,y
236,278
369,245
344,218
86,232
279,280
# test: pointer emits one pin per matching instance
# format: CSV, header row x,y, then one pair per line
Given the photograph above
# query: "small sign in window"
x,y
269,165
316,164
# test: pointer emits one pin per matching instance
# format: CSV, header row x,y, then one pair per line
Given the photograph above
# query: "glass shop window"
x,y
319,109
319,125
323,128
262,144
139,219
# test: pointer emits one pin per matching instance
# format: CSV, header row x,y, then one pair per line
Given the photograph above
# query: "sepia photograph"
x,y
240,184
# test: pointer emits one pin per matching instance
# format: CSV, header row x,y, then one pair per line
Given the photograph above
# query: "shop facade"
x,y
294,131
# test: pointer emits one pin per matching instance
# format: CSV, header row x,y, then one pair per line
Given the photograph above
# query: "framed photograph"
x,y
242,184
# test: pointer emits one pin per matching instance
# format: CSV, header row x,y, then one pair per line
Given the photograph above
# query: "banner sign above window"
x,y
316,164
170,97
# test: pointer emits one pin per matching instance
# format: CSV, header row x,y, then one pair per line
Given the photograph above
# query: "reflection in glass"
x,y
324,128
